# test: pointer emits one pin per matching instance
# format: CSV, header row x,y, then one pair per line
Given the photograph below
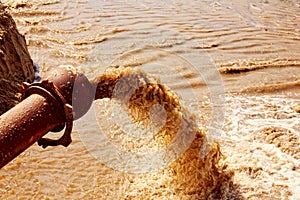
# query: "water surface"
x,y
241,58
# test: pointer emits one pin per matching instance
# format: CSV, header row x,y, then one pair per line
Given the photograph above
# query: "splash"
x,y
144,131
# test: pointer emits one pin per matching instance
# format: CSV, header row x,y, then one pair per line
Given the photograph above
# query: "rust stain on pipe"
x,y
26,123
44,110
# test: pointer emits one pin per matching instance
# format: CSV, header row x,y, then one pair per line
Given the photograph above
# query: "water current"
x,y
235,66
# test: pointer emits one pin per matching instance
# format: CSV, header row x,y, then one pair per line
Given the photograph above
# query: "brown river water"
x,y
234,64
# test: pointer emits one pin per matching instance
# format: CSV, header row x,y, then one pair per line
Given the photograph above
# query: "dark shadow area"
x,y
226,191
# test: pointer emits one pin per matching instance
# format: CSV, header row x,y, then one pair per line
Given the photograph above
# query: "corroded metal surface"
x,y
46,107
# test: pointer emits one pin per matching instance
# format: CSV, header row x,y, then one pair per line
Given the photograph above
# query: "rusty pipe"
x,y
27,122
50,105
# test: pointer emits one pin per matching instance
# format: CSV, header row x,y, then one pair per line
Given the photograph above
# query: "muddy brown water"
x,y
236,65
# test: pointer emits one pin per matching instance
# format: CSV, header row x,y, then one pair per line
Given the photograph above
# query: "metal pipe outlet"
x,y
47,106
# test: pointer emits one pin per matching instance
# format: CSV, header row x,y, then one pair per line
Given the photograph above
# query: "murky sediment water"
x,y
242,58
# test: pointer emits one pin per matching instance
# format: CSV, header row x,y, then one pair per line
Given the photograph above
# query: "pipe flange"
x,y
47,89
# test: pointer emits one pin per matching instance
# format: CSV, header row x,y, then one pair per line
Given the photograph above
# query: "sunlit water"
x,y
251,47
